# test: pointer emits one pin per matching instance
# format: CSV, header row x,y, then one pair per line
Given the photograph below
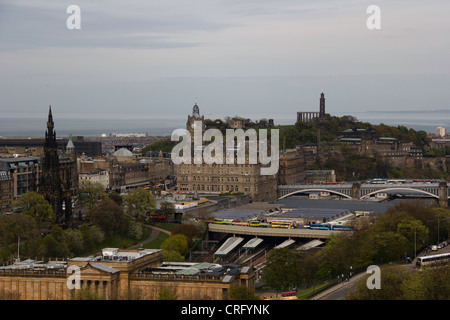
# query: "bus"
x,y
156,218
282,224
259,224
433,259
320,226
223,221
240,223
378,181
421,181
396,181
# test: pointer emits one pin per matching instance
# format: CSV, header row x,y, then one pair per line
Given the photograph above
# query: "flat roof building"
x,y
120,274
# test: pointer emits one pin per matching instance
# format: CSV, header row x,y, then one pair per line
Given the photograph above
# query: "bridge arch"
x,y
399,189
314,190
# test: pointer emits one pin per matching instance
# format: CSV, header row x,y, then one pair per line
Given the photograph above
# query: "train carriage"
x,y
433,259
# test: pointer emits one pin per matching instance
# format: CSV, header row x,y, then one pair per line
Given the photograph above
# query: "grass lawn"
x,y
167,226
156,243
305,294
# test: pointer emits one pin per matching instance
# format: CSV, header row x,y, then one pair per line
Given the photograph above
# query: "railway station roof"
x,y
285,244
252,243
228,246
311,244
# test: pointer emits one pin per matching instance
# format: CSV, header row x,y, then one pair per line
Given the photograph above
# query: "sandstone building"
x,y
223,178
121,274
123,170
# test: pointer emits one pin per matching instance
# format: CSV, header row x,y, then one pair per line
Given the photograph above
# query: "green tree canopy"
x,y
281,270
139,201
13,227
37,207
175,247
91,192
110,217
189,230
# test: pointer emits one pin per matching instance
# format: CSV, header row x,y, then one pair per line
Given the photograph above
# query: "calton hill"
x,y
360,150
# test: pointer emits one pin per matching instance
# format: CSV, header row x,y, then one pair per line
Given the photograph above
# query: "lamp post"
x,y
415,243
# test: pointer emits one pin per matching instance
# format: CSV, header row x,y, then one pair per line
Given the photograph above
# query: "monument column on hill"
x,y
322,106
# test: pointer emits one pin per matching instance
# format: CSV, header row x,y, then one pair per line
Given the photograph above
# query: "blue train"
x,y
328,226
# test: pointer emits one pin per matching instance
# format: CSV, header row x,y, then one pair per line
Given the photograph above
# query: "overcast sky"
x,y
254,58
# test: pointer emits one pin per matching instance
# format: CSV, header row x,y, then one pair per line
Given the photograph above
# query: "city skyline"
x,y
257,59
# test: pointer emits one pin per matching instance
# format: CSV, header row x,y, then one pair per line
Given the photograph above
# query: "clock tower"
x,y
190,125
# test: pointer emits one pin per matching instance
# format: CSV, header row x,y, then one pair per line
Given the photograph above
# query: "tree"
x,y
398,283
13,227
37,207
51,248
281,270
166,293
92,236
85,294
56,243
139,201
135,230
167,209
391,282
116,197
110,217
189,230
175,247
164,145
430,284
76,241
176,242
415,232
91,192
172,256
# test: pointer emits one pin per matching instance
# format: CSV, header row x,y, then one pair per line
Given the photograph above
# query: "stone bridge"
x,y
361,191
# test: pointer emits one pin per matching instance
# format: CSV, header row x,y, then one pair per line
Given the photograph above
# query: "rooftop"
x,y
30,264
193,268
115,255
123,153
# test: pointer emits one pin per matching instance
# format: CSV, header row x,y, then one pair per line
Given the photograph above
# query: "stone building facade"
x,y
6,191
226,177
120,274
126,170
292,166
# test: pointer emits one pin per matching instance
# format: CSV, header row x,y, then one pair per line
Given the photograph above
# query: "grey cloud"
x,y
30,27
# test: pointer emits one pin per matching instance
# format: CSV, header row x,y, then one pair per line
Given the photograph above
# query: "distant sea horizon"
x,y
35,125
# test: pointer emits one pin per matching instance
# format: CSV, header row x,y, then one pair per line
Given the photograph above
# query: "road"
x,y
339,291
